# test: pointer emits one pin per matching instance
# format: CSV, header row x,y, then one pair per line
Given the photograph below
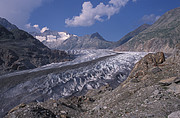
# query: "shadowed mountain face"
x,y
161,36
7,24
19,51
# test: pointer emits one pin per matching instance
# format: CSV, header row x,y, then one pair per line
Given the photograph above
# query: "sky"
x,y
112,19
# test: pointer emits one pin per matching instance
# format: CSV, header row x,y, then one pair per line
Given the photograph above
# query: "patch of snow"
x,y
51,38
63,35
40,38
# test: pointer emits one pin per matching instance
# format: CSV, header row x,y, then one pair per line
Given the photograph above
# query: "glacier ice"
x,y
90,70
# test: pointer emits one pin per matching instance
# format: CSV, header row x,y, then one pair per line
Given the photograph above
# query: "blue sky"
x,y
111,18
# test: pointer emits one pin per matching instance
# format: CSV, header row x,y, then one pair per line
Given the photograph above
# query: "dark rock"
x,y
177,80
155,70
39,112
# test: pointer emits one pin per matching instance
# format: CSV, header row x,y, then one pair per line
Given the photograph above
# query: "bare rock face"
x,y
145,64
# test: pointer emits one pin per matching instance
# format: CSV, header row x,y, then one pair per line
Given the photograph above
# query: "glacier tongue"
x,y
90,70
88,75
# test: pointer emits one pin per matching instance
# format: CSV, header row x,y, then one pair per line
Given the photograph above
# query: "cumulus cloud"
x,y
150,18
35,28
18,11
44,29
90,14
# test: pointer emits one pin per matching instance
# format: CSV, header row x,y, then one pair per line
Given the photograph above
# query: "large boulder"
x,y
146,64
174,115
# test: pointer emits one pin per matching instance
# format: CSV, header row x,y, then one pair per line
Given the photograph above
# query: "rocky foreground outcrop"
x,y
152,90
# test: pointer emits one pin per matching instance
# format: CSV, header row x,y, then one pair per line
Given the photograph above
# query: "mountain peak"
x,y
7,24
96,35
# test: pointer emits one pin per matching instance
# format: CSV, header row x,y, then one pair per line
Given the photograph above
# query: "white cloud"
x,y
150,18
90,14
30,28
44,29
35,28
18,11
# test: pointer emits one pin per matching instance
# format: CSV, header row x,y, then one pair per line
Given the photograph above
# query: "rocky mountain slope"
x,y
66,41
130,35
151,90
19,51
161,36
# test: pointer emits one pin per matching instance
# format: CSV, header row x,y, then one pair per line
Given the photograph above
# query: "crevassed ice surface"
x,y
90,70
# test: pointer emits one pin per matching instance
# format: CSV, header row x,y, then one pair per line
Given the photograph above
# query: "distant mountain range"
x,y
161,36
67,41
20,50
52,39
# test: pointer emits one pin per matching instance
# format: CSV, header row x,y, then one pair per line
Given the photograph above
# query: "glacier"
x,y
89,70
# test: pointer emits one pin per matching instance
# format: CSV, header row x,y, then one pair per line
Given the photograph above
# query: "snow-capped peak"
x,y
52,36
63,35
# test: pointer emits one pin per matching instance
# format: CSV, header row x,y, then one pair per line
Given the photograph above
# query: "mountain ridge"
x,y
70,41
132,34
7,24
161,36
